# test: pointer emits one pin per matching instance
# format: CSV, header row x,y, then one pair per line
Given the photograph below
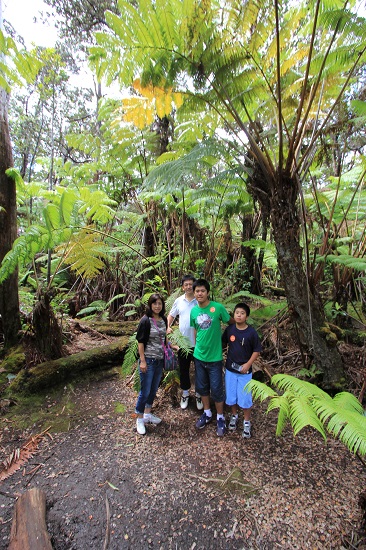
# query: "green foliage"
x,y
98,307
17,67
304,404
357,264
130,358
93,308
311,372
80,247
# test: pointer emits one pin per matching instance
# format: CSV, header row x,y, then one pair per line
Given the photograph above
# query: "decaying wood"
x,y
28,530
58,371
109,328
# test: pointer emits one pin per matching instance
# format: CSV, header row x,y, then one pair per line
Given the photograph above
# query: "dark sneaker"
x,y
233,423
221,427
246,431
203,420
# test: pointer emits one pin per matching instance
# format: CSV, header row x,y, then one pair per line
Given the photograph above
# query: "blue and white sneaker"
x,y
246,431
233,423
221,427
203,421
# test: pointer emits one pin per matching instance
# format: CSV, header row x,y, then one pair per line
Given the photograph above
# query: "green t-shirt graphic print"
x,y
207,322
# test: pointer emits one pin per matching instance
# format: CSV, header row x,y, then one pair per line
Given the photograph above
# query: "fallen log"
x,y
58,371
29,530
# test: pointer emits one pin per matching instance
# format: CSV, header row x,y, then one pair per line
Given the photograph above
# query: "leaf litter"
x,y
177,487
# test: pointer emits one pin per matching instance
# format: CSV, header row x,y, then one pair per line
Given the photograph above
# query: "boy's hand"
x,y
244,368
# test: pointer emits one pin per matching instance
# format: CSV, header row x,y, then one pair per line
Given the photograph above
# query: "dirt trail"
x,y
181,488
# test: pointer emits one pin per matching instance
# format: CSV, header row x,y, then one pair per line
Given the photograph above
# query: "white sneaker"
x,y
151,419
199,403
184,401
233,422
140,426
246,431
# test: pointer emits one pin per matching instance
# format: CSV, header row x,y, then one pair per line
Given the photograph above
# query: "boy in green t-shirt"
x,y
206,319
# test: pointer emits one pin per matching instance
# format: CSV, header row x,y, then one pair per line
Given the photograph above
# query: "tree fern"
x,y
84,253
304,404
130,357
302,414
301,387
81,248
357,264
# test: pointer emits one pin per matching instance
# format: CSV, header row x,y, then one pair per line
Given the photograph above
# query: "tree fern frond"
x,y
260,390
359,108
302,414
170,300
130,358
347,401
136,380
347,423
85,253
358,264
177,338
305,405
25,247
171,380
352,433
96,205
300,387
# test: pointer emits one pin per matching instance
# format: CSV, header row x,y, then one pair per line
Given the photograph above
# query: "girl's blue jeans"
x,y
149,384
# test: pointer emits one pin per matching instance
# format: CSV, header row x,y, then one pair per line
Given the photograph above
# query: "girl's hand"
x,y
143,366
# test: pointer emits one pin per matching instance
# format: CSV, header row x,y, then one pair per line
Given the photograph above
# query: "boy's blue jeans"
x,y
209,379
149,384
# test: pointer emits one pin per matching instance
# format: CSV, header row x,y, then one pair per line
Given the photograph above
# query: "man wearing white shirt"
x,y
182,307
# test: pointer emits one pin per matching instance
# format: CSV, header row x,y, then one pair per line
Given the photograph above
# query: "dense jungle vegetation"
x,y
234,150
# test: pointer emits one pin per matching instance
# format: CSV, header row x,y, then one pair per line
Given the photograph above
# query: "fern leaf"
x,y
347,401
260,390
358,264
177,339
130,357
300,387
353,433
345,422
281,403
302,414
25,247
85,253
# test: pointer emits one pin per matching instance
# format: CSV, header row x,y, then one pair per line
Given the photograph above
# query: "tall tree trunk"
x,y
9,298
306,309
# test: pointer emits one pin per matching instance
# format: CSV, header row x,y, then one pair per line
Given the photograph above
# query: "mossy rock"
x,y
14,360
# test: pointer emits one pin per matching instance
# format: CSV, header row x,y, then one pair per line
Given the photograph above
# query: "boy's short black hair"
x,y
202,282
244,306
188,277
